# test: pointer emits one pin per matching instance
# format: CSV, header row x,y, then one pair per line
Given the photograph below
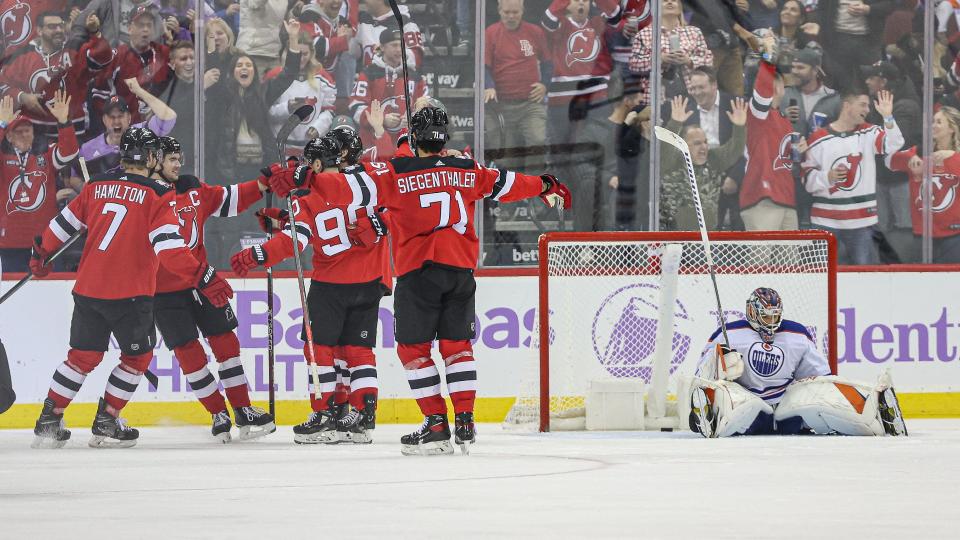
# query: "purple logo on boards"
x,y
625,331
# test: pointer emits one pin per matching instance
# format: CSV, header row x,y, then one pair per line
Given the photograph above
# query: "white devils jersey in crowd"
x,y
770,367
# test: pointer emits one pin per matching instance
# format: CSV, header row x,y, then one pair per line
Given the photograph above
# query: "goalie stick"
x,y
295,119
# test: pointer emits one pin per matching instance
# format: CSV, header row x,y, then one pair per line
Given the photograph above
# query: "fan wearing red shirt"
x,y
180,310
131,227
430,199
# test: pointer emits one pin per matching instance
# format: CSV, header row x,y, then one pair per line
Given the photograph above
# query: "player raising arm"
x,y
180,310
774,380
351,273
430,199
131,225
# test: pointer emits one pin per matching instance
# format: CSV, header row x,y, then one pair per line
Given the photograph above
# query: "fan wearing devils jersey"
x,y
34,73
331,31
382,81
635,17
351,273
840,173
18,22
180,310
431,200
28,179
377,17
944,186
131,226
767,193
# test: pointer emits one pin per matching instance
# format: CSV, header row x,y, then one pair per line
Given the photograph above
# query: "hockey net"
x,y
603,297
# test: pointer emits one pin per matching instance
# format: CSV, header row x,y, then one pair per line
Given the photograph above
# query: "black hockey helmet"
x,y
429,124
350,140
137,144
169,145
327,149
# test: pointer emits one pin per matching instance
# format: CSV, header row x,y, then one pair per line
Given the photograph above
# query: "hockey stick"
x,y
295,119
271,356
406,77
677,142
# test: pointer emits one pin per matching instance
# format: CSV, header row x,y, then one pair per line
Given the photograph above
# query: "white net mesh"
x,y
604,298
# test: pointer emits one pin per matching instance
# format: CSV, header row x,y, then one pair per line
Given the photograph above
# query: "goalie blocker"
x,y
772,379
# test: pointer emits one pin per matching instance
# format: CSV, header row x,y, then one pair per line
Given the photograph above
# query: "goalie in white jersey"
x,y
774,380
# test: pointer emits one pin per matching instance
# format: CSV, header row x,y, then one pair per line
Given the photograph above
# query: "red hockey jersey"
x,y
196,202
944,192
431,202
28,187
326,30
381,82
151,68
131,225
335,259
368,36
581,60
18,22
769,171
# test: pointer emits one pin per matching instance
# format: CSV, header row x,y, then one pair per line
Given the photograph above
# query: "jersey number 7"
x,y
119,212
443,199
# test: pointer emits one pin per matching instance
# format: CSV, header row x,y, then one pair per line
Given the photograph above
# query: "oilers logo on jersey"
x,y
765,359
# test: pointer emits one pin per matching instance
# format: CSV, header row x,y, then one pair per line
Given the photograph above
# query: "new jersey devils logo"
x,y
391,105
27,192
943,192
16,24
185,215
852,163
784,159
582,46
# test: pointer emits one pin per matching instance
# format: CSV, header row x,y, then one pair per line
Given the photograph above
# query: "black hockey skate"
x,y
221,426
340,412
433,438
464,431
370,412
111,431
320,428
49,430
890,415
253,422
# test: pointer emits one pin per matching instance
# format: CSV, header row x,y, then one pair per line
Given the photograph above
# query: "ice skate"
x,y
370,412
889,407
433,438
320,428
49,430
221,426
111,431
341,411
352,425
464,431
253,422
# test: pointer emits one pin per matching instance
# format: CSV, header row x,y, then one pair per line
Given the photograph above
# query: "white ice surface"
x,y
178,484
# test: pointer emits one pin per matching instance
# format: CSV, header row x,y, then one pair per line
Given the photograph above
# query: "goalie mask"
x,y
764,312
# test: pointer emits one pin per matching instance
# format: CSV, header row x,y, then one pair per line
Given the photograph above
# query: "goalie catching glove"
x,y
37,258
555,193
248,259
367,231
214,287
729,363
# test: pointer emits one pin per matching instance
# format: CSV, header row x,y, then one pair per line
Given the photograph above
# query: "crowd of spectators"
x,y
799,113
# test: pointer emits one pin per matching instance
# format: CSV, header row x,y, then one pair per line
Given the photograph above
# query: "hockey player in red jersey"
x,y
351,273
131,227
431,200
180,310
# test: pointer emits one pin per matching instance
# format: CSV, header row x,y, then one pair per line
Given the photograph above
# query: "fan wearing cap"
x,y
376,18
431,199
29,178
810,100
331,31
101,152
114,16
382,81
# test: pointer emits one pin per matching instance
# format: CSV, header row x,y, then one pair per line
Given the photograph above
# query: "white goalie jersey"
x,y
768,367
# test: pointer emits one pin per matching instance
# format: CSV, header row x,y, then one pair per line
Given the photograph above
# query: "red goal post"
x,y
616,278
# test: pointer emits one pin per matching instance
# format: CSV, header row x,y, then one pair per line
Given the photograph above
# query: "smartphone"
x,y
674,43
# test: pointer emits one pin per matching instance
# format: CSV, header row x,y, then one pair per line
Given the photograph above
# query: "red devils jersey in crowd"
x,y
581,59
769,171
326,29
384,83
29,70
196,202
944,193
18,20
151,68
335,259
28,187
431,203
620,46
131,225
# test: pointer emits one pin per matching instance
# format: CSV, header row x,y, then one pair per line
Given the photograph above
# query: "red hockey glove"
x,y
214,287
367,231
37,257
276,217
556,193
287,180
244,261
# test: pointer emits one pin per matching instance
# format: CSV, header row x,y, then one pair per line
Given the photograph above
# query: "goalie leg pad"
x,y
831,405
733,409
